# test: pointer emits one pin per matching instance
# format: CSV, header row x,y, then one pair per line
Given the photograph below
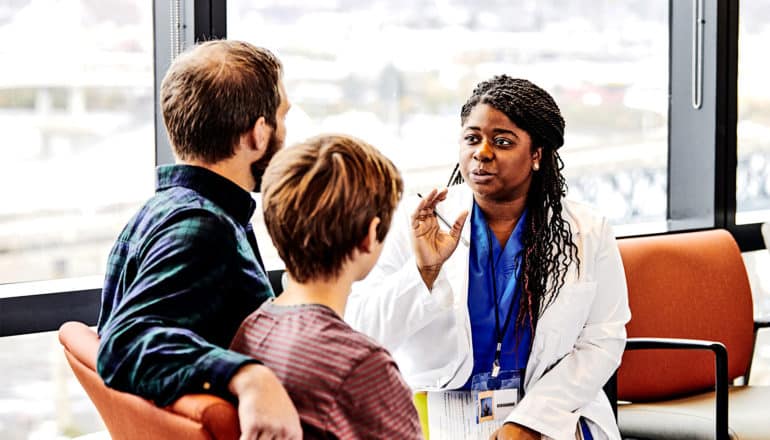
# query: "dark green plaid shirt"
x,y
180,279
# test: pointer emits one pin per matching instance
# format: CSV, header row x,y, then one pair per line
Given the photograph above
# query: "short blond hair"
x,y
319,198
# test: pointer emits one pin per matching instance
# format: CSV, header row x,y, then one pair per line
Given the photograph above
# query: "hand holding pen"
x,y
446,222
432,246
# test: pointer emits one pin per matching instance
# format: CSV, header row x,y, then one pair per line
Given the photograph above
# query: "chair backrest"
x,y
689,285
126,416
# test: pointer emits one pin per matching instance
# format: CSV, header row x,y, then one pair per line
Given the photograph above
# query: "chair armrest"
x,y
761,322
217,415
720,353
675,343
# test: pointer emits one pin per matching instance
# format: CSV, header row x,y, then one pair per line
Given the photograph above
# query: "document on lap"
x,y
453,415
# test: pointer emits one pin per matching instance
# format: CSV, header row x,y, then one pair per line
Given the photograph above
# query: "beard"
x,y
258,168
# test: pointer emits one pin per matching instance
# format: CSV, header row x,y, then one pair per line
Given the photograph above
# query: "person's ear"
x,y
367,244
537,155
260,136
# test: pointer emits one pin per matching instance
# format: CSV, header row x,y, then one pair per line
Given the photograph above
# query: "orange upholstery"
x,y
127,416
692,286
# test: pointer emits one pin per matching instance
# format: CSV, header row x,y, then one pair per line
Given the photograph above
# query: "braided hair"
x,y
549,249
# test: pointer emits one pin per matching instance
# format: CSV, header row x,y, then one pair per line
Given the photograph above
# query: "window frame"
x,y
702,186
702,143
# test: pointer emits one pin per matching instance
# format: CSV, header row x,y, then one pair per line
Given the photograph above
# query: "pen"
x,y
447,224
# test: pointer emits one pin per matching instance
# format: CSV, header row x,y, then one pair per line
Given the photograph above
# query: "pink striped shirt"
x,y
341,381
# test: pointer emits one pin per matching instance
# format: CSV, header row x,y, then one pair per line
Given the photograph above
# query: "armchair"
x,y
691,333
126,416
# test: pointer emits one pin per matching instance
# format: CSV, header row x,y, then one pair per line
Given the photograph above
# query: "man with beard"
x,y
186,270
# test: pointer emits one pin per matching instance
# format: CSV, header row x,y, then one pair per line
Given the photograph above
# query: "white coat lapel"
x,y
456,268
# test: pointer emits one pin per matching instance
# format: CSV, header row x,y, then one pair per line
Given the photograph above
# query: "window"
x,y
757,263
397,74
76,117
40,397
77,159
753,176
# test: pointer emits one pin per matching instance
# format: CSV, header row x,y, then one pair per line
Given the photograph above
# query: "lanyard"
x,y
499,333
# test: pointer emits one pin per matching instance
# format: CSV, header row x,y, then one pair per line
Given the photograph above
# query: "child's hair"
x,y
319,198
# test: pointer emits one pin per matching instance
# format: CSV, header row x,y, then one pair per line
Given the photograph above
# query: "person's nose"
x,y
484,151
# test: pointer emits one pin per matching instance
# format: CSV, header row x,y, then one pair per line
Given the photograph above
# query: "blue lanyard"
x,y
500,333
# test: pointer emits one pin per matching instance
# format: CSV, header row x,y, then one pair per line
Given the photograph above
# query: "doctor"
x,y
532,283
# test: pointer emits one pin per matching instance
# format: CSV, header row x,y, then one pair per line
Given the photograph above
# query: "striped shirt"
x,y
342,383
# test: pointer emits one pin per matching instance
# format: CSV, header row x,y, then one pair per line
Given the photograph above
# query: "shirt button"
x,y
206,385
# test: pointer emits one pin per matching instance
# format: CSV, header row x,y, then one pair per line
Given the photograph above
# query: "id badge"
x,y
496,396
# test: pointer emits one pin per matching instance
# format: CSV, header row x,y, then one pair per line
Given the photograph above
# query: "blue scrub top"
x,y
481,307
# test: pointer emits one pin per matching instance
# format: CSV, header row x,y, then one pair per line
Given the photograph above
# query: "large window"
x,y
76,117
753,179
77,159
396,74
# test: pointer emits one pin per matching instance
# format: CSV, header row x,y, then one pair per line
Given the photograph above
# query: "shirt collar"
x,y
233,199
479,229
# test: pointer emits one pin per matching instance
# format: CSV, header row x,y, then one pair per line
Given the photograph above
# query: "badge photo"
x,y
485,404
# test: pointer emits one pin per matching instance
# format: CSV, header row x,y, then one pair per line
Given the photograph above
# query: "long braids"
x,y
549,249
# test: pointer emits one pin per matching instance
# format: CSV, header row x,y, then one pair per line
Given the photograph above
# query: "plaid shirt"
x,y
180,279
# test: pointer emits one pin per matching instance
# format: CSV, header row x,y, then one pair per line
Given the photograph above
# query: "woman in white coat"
x,y
523,280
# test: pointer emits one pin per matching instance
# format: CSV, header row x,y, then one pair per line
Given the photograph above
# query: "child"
x,y
328,203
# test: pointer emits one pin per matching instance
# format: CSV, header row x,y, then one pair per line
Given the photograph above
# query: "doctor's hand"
x,y
432,246
512,431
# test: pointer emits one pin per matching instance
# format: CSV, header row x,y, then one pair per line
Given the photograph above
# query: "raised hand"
x,y
432,246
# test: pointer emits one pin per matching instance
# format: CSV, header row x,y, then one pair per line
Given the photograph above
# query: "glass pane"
x,y
40,397
757,265
76,123
397,73
753,185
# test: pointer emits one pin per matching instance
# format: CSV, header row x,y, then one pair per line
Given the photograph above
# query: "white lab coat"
x,y
576,346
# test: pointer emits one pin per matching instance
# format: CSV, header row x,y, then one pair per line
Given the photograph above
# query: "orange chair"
x,y
195,416
691,306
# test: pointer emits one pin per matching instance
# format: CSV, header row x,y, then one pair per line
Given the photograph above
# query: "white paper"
x,y
505,401
452,416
